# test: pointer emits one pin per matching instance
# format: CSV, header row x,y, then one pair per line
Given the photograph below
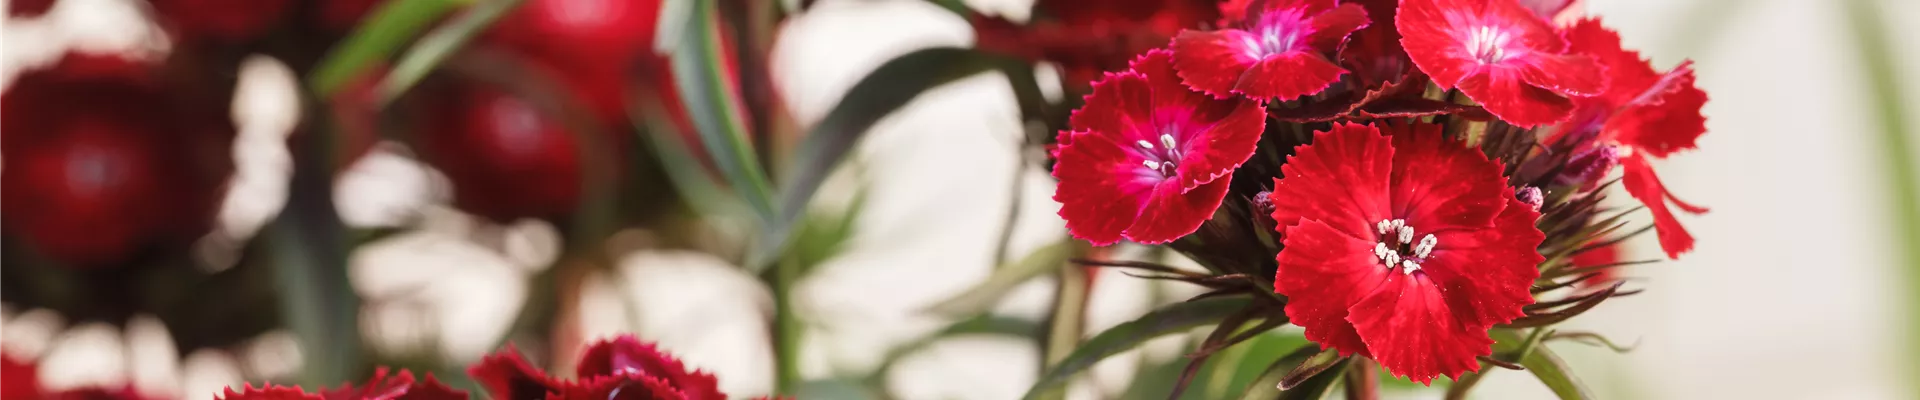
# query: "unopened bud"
x,y
1531,196
1589,165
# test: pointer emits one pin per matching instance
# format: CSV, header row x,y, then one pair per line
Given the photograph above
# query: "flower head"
x,y
1406,249
1147,159
1088,37
1643,114
619,368
1501,55
1280,51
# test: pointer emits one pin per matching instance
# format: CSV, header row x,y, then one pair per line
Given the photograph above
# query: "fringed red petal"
x,y
1644,185
1340,180
1412,332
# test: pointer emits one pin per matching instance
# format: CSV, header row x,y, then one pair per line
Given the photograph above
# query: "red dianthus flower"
x,y
1280,52
1501,55
1147,159
619,368
1406,249
1642,115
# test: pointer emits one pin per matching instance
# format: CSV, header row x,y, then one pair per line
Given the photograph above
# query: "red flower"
x,y
381,387
507,158
103,159
1147,159
28,8
1643,114
1499,54
591,45
1088,37
1405,249
219,20
395,387
1281,52
267,392
621,366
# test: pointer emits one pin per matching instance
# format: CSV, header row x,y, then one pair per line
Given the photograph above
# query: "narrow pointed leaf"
x,y
983,296
1171,319
390,26
714,105
888,88
438,45
1310,368
1544,365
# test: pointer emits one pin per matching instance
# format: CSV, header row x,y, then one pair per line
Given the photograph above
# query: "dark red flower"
x,y
400,386
1147,159
219,20
506,157
102,159
1405,249
1642,115
1501,55
22,379
28,8
1279,51
267,392
591,45
1088,37
619,368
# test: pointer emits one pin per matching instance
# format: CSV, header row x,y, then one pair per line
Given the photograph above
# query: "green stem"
x,y
1067,322
308,248
786,328
1883,83
1526,347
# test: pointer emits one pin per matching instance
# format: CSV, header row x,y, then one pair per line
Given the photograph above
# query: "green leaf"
x,y
391,25
438,45
883,91
1172,319
981,325
836,388
1543,364
1267,386
983,296
712,102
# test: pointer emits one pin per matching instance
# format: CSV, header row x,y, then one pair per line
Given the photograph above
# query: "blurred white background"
x,y
1792,292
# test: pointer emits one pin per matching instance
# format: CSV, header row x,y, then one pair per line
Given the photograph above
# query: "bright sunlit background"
x,y
1792,293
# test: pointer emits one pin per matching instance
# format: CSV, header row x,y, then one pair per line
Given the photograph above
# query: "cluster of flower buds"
x,y
1412,174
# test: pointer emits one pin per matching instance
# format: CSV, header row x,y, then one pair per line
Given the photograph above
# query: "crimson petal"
x,y
1669,122
508,376
1485,274
1413,333
1288,75
1170,214
1101,190
1341,180
1440,184
1643,184
1324,272
1213,61
1502,93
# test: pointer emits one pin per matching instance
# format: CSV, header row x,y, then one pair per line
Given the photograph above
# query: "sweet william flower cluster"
x,y
1411,174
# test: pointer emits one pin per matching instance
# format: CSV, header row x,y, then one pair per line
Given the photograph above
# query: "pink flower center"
x,y
1396,248
1488,44
1162,158
1277,33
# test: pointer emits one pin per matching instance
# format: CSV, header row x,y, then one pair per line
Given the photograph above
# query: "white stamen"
x,y
1380,250
1393,258
1144,144
1425,247
1383,227
1406,234
1151,165
1167,140
1409,266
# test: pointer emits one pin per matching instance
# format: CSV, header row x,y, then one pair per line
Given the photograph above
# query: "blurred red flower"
x,y
1405,249
28,8
1087,37
506,157
1147,159
22,382
103,158
1279,51
1501,55
224,21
